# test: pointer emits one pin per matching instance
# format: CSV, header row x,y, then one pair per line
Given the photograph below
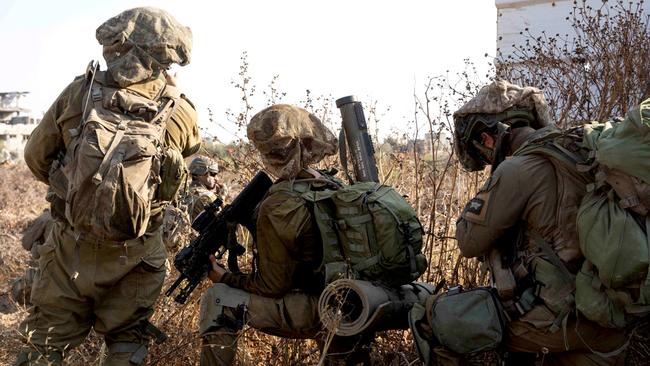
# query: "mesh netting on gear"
x,y
141,41
289,139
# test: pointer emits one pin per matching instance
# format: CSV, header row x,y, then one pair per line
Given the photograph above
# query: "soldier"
x,y
35,234
86,281
204,187
203,190
280,296
527,194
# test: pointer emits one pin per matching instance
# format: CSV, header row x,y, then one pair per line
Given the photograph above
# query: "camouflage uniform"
x,y
526,192
83,281
280,296
179,216
198,195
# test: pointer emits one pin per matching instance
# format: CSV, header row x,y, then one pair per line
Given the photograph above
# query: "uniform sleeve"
x,y
51,135
284,224
502,203
182,129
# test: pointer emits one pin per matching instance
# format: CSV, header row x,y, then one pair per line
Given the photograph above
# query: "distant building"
x,y
16,124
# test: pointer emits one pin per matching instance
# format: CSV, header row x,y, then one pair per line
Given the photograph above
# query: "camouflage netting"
x,y
289,139
140,42
500,95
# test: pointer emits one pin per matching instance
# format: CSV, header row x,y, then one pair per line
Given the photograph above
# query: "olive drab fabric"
x,y
283,290
85,281
286,280
140,42
613,286
368,230
114,162
36,233
289,139
34,236
173,175
111,295
467,321
289,252
536,192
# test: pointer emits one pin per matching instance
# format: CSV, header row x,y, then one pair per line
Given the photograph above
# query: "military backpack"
x,y
117,164
368,231
613,286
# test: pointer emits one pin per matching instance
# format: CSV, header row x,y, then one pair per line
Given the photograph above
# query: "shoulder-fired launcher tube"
x,y
358,139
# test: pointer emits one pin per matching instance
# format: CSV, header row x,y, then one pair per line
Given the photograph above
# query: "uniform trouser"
x,y
583,337
113,295
225,310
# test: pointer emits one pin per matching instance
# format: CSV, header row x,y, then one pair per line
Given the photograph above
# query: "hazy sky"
x,y
377,50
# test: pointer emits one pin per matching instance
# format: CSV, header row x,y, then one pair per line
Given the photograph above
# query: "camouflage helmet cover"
x,y
290,139
494,103
140,42
202,165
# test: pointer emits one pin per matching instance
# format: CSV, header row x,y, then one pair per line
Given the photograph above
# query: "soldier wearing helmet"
x,y
85,282
204,188
280,297
522,222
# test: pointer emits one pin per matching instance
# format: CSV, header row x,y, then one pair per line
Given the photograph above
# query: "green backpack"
x,y
613,286
369,232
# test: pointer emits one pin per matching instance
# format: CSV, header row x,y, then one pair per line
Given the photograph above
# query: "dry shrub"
x,y
597,71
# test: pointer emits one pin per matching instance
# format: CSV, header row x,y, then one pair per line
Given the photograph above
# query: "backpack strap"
x,y
91,71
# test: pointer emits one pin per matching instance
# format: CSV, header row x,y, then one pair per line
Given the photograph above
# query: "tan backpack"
x,y
117,160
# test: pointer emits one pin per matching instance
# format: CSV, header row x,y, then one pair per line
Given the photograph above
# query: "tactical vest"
x,y
543,258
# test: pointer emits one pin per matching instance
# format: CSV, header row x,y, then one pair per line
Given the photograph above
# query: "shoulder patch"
x,y
476,209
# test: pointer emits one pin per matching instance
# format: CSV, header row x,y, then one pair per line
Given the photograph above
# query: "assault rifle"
x,y
193,261
355,130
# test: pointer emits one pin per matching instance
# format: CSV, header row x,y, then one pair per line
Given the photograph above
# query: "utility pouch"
x,y
467,321
172,175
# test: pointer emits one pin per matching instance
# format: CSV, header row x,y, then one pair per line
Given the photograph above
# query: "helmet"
x,y
468,128
140,42
289,139
497,107
202,165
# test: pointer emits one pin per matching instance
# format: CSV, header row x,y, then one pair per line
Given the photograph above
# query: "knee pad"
x,y
223,306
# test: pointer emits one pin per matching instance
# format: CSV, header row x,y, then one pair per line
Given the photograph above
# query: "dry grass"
x,y
436,190
22,199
